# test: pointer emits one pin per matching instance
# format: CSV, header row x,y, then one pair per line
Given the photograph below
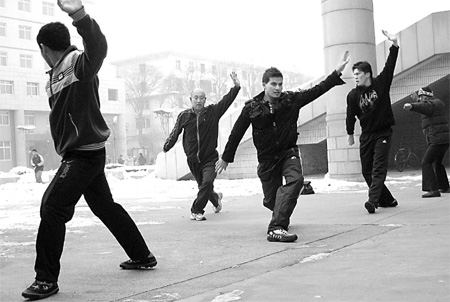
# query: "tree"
x,y
140,84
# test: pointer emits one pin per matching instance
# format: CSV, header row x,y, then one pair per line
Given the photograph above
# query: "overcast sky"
x,y
284,33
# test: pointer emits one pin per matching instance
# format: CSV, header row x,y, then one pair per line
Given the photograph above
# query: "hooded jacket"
x,y
434,120
75,118
200,130
275,130
372,105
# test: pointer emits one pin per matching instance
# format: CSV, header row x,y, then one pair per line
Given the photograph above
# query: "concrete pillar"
x,y
20,145
347,25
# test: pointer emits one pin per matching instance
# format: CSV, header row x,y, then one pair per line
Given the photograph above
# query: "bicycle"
x,y
404,159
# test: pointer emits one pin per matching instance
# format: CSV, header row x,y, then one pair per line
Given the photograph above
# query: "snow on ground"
x,y
20,201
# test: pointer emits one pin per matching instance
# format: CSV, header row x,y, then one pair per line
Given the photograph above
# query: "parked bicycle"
x,y
404,159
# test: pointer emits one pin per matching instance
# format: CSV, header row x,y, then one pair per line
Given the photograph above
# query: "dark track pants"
x,y
374,153
281,198
204,174
81,173
434,176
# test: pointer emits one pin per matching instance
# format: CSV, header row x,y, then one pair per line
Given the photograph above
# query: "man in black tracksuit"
x,y
371,103
273,115
201,130
79,133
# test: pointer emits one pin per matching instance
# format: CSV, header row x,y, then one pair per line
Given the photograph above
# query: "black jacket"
x,y
372,105
434,121
200,130
274,133
75,117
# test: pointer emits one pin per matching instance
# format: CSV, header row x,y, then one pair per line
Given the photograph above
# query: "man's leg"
x,y
429,181
205,179
287,194
379,170
271,179
57,208
439,169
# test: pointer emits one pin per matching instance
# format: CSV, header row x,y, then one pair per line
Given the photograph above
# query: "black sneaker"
x,y
281,235
138,264
40,290
370,207
392,204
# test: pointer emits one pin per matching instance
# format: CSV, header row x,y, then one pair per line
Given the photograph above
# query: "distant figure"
x,y
200,127
121,160
37,162
436,131
79,132
141,160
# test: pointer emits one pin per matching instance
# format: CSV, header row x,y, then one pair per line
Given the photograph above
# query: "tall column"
x,y
347,25
121,141
20,145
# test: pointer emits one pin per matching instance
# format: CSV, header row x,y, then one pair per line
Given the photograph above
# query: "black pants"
x,y
281,199
434,176
204,174
81,173
374,153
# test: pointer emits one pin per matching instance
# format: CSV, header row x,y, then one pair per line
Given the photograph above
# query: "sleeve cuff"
x,y
78,15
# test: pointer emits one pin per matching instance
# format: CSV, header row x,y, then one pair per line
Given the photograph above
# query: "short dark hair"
x,y
272,72
363,66
54,35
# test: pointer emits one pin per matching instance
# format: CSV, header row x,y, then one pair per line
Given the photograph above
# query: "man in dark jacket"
x,y
201,130
370,102
79,133
436,131
273,115
37,162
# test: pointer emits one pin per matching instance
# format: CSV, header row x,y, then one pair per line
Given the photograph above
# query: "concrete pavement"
x,y
342,254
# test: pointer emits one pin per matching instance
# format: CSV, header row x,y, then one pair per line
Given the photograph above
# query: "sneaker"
x,y
198,217
138,264
393,204
433,193
370,207
281,235
40,290
219,201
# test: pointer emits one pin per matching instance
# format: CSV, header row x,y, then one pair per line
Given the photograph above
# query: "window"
x,y
5,150
3,58
202,68
25,32
4,118
178,65
30,119
24,5
2,29
26,61
32,88
113,95
147,122
6,87
48,8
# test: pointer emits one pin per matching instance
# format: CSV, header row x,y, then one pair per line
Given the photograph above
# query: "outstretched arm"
x,y
391,37
345,59
235,79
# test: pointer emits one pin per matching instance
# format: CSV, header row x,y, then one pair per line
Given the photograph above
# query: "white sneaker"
x,y
198,217
219,201
281,235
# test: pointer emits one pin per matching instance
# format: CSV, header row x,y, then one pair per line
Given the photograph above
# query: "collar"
x,y
65,54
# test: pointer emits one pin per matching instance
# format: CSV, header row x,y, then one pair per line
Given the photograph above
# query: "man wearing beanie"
x,y
370,102
79,133
436,130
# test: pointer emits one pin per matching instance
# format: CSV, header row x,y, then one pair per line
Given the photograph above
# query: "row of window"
x,y
26,61
24,31
29,119
7,87
48,8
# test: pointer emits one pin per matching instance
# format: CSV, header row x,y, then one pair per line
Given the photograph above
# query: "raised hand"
x,y
70,6
391,37
344,62
235,79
